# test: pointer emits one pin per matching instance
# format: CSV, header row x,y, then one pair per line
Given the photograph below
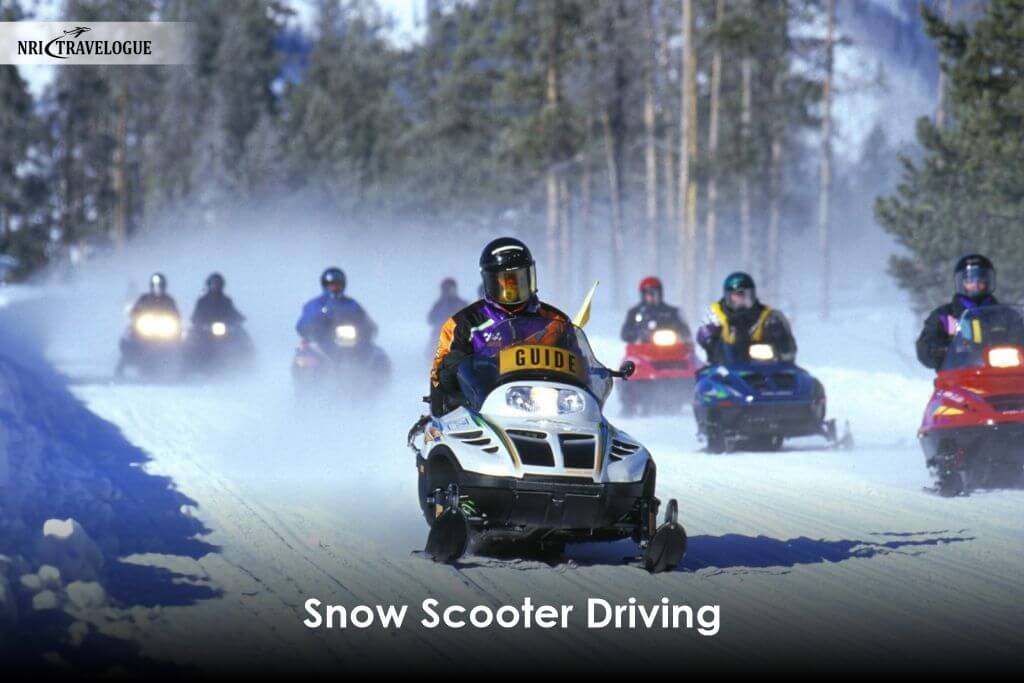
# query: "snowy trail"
x,y
806,551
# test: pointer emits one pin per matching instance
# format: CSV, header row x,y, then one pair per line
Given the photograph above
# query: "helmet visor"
x,y
739,299
651,295
975,281
510,287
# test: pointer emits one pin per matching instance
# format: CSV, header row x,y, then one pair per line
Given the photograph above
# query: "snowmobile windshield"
x,y
989,336
531,348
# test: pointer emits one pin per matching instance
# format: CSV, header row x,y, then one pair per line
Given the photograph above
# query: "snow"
x,y
263,504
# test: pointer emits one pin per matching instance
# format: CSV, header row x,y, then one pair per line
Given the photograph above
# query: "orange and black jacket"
x,y
462,335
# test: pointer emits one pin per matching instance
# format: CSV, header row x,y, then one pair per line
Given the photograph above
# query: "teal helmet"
x,y
739,291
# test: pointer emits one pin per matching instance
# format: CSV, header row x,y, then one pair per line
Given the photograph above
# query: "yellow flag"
x,y
583,315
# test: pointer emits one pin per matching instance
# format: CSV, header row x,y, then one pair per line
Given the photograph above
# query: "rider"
x,y
320,313
157,299
447,305
215,306
975,283
510,291
652,312
739,319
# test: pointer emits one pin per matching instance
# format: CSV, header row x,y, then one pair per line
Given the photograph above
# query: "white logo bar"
x,y
96,42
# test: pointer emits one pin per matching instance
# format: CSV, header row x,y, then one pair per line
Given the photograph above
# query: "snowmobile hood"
x,y
755,383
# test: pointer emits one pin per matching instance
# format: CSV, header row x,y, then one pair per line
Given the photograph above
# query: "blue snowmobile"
x,y
760,400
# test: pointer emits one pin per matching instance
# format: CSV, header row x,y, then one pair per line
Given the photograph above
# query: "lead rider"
x,y
510,291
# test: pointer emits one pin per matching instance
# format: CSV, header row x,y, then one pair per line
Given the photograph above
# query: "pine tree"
x,y
24,204
965,194
343,119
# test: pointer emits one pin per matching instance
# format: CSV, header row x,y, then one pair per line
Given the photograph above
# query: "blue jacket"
x,y
319,313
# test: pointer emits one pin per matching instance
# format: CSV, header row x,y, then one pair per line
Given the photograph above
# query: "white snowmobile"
x,y
530,456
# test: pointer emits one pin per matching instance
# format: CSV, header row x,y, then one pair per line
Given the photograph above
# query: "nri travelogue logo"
x,y
96,42
66,45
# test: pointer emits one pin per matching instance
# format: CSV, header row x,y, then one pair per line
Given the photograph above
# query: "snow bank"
x,y
74,499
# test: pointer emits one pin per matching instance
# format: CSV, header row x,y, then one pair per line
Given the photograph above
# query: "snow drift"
x,y
75,501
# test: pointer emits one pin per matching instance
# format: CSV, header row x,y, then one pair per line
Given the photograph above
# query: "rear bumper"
x,y
759,419
997,441
556,502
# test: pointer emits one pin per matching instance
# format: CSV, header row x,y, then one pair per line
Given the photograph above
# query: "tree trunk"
x,y
940,105
746,232
650,135
120,173
586,222
711,223
670,203
565,238
616,201
552,101
614,123
687,158
825,184
771,253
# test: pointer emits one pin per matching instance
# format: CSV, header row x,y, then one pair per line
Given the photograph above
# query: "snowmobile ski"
x,y
449,534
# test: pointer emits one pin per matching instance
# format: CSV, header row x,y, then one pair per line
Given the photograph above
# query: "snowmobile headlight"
x,y
544,400
218,329
1004,357
762,352
346,334
570,401
157,325
665,338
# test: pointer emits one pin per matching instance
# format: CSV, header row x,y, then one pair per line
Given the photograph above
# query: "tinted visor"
x,y
510,287
739,299
975,281
651,295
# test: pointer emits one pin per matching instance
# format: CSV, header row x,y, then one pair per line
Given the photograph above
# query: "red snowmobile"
x,y
666,367
973,428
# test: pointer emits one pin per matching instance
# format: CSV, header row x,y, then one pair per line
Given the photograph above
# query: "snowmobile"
x,y
216,347
972,433
152,344
341,356
529,456
761,400
665,370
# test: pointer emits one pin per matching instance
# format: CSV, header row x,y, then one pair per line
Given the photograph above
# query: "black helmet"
x,y
158,284
449,287
739,291
975,277
509,272
215,283
333,281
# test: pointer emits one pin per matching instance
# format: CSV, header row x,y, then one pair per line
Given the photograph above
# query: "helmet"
x,y
509,272
215,283
333,281
975,277
158,284
652,285
449,287
739,291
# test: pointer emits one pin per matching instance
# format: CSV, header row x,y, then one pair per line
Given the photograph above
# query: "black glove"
x,y
448,372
